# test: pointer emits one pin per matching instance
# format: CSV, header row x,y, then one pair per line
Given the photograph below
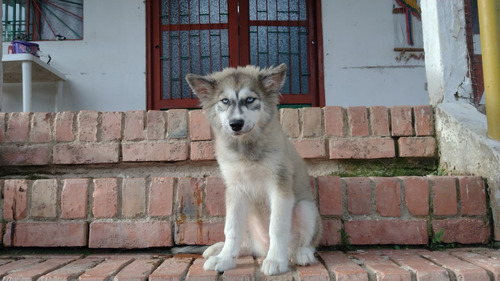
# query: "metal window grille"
x,y
13,19
194,39
203,36
278,34
42,20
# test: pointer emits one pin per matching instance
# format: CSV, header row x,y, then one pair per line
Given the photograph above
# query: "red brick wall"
x,y
163,211
91,137
131,211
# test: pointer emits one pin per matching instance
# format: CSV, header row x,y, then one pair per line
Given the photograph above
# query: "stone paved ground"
x,y
370,264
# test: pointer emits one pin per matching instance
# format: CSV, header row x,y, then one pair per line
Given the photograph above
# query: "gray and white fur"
x,y
270,208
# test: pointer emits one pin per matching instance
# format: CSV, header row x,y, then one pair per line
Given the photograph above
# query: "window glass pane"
x,y
165,64
262,10
196,51
169,12
193,11
171,64
304,64
205,52
272,45
282,10
215,46
302,10
58,20
13,19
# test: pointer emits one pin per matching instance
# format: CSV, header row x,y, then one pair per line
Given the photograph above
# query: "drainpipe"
x,y
489,20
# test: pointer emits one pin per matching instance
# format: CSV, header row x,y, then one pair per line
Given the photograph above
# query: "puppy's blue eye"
x,y
250,100
224,101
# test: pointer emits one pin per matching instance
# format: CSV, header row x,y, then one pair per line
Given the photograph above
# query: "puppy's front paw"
x,y
219,263
305,256
274,266
213,250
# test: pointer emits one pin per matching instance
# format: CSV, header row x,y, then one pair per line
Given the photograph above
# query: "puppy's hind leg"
x,y
307,228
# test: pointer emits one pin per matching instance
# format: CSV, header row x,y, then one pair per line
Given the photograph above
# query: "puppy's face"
x,y
238,109
237,100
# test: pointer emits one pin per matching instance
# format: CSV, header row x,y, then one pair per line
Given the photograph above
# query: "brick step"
x,y
147,212
416,264
179,135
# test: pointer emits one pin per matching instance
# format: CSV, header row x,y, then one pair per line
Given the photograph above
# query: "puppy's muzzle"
x,y
237,124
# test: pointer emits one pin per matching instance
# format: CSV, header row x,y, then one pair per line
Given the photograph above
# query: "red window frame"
x,y
239,52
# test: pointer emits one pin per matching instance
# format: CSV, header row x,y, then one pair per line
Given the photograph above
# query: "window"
x,y
203,36
35,20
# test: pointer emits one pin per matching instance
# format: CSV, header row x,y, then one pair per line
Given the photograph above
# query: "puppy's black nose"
x,y
237,124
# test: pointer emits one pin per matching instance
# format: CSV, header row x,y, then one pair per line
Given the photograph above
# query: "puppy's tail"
x,y
188,250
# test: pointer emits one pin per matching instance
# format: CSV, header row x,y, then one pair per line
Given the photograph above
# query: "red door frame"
x,y
236,38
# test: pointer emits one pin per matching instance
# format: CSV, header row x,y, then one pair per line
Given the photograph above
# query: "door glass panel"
x,y
196,51
194,11
281,10
273,45
194,38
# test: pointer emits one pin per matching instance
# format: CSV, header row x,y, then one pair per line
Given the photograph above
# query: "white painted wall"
x,y
105,70
359,58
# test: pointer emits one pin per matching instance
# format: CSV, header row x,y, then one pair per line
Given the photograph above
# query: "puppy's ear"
x,y
202,86
273,78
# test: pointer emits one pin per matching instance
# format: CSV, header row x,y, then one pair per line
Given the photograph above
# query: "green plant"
x,y
345,244
437,242
386,168
494,245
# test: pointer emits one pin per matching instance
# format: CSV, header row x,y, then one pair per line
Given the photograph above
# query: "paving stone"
x,y
419,266
196,272
37,270
138,270
72,270
342,267
106,269
315,272
171,269
244,270
17,265
381,268
492,265
461,269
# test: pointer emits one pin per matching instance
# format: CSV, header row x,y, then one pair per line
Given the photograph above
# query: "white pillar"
x,y
446,64
26,69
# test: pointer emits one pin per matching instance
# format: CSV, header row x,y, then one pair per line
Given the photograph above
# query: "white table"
x,y
26,69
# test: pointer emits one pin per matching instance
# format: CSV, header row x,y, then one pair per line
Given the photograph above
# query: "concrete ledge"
x,y
466,148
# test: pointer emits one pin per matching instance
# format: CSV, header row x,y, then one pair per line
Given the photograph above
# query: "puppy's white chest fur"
x,y
255,179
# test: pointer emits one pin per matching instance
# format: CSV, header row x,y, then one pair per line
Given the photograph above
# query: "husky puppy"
x,y
270,209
